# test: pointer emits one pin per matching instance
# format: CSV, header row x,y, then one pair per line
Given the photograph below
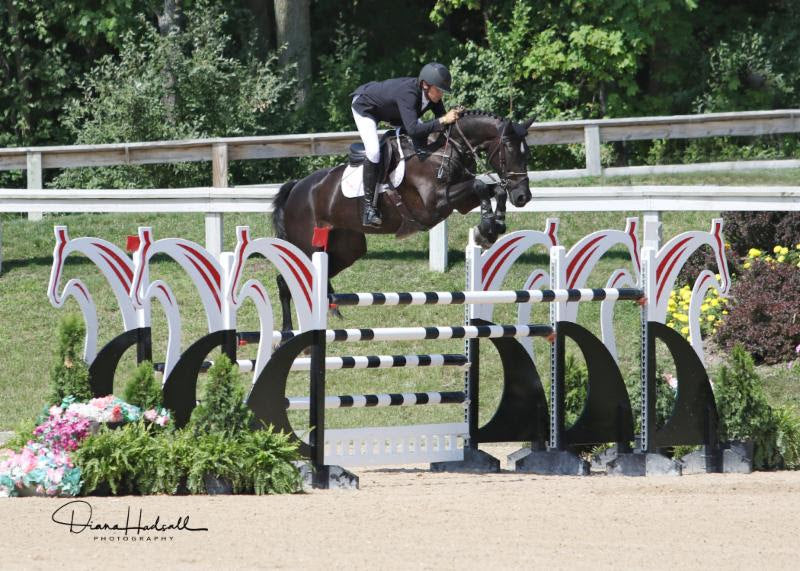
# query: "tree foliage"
x,y
95,72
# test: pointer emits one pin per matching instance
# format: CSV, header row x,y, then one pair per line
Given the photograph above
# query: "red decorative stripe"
x,y
166,292
260,292
551,231
125,283
535,279
239,263
722,261
59,262
616,279
585,261
123,263
668,256
299,282
496,269
493,256
208,282
211,267
581,253
704,280
635,242
663,282
300,263
143,260
83,291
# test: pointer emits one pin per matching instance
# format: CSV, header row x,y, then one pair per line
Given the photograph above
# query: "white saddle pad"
x,y
353,179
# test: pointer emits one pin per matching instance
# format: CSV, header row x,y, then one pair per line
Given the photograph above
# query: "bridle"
x,y
500,148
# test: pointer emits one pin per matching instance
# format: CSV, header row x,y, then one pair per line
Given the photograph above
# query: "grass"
x,y
28,321
782,177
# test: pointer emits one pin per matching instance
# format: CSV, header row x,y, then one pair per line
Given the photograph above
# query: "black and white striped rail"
x,y
411,333
380,400
357,362
461,297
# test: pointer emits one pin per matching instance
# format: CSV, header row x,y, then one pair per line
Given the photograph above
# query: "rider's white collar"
x,y
424,101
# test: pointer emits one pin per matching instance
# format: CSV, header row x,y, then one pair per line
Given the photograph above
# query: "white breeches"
x,y
368,129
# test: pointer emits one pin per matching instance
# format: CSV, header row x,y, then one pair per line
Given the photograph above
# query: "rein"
x,y
500,146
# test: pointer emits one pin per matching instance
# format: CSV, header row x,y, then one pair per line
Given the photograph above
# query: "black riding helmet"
x,y
437,75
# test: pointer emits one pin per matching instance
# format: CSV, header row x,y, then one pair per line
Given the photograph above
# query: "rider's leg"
x,y
368,130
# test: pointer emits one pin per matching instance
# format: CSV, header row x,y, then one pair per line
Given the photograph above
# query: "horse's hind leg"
x,y
333,309
286,303
344,248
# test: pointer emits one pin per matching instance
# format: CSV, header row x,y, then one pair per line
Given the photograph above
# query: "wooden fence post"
x,y
34,174
219,179
591,137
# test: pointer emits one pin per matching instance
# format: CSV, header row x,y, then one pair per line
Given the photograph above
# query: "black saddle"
x,y
358,154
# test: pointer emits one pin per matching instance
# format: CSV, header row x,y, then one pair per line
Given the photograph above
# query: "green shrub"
x,y
267,462
576,381
743,409
257,462
788,437
222,409
70,374
143,390
118,458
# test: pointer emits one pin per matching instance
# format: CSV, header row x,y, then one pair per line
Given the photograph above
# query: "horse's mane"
x,y
481,113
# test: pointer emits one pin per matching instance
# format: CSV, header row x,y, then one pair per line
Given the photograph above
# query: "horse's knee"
x,y
482,190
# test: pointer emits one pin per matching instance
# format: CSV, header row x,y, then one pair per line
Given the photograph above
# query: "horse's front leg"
x,y
488,226
500,211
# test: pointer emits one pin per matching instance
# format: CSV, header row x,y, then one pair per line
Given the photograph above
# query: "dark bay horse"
x,y
437,181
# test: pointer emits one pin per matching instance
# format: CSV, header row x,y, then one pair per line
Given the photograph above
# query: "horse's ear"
x,y
528,123
521,129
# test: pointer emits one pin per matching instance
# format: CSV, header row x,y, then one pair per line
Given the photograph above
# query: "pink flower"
x,y
55,410
116,414
162,420
26,460
150,415
55,475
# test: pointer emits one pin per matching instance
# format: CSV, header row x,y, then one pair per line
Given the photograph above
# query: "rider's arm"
x,y
408,114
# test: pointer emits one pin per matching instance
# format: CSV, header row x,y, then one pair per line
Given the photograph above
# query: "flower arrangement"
x,y
780,254
63,431
38,470
712,311
110,409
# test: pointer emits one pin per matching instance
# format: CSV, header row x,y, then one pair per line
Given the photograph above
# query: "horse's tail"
x,y
278,205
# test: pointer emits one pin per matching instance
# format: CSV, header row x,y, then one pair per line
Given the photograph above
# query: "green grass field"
x,y
28,322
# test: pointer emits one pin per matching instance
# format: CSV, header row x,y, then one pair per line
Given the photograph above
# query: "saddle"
x,y
351,177
357,154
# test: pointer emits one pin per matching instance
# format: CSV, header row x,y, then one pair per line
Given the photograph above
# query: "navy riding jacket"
x,y
398,101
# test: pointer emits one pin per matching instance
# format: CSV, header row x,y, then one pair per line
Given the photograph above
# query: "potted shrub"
x,y
216,422
70,374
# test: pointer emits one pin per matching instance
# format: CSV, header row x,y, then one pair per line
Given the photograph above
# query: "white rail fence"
x,y
214,201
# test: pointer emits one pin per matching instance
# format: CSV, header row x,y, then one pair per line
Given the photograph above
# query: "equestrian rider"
x,y
398,101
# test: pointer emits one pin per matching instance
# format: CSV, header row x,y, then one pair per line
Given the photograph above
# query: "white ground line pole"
x,y
34,174
437,255
219,179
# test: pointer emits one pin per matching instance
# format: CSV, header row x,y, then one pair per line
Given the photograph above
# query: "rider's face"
x,y
434,93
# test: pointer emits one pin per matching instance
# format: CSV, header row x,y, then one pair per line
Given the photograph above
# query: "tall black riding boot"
x,y
370,216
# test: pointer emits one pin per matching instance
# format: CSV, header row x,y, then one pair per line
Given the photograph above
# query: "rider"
x,y
399,101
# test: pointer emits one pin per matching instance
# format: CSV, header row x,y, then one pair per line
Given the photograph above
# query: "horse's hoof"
x,y
484,241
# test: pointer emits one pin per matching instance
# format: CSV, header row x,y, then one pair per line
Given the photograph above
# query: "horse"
x,y
439,178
